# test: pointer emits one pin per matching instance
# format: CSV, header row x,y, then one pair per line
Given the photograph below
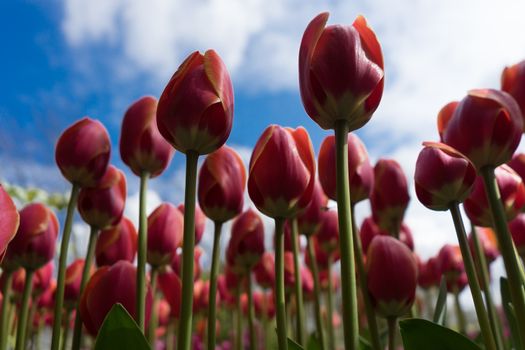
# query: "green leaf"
x,y
508,308
313,343
420,334
440,311
292,345
364,344
120,331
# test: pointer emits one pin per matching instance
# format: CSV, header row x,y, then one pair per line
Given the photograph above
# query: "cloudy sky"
x,y
63,59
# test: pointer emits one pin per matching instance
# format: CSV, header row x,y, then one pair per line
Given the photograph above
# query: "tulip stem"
x,y
29,326
251,312
142,253
24,308
215,260
301,337
473,282
344,210
485,283
154,319
507,249
460,314
238,323
330,304
185,323
170,333
61,278
6,293
363,282
392,329
77,331
317,292
66,329
279,284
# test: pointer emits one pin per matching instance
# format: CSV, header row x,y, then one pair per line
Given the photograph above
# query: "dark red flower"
x,y
165,229
116,243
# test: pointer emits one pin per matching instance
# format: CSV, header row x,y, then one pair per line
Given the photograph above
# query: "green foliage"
x,y
440,311
509,311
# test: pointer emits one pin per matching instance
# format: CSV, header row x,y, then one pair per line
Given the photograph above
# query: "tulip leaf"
x,y
440,311
508,308
313,343
292,345
420,334
364,344
120,331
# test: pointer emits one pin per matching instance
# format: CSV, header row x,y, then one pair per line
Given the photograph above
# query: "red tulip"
x,y
328,234
82,152
389,198
42,278
176,264
289,270
512,192
429,274
222,179
47,297
116,243
226,295
451,265
443,176
195,111
309,220
340,72
10,220
321,256
282,172
264,305
165,227
512,81
307,280
264,271
486,127
170,285
323,280
18,282
142,147
72,286
246,244
201,296
103,205
444,116
163,312
517,163
488,242
35,240
287,237
108,286
517,230
370,229
360,172
200,222
392,276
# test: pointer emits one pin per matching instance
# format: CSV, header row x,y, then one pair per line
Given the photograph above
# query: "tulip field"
x,y
329,281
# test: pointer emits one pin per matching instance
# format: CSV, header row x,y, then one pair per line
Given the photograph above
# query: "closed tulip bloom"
x,y
264,304
360,172
82,152
47,297
226,295
222,179
246,244
450,260
200,222
201,296
142,147
264,271
488,242
34,243
443,176
444,116
513,82
322,257
282,172
103,205
392,276
512,192
307,280
309,220
165,226
289,271
42,278
195,111
389,198
486,127
328,234
370,229
176,263
18,282
340,72
170,285
517,163
10,220
116,243
72,286
429,274
110,285
517,230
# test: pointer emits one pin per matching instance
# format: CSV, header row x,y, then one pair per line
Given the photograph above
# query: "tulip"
x,y
487,240
72,292
226,294
264,271
310,219
116,243
263,303
517,163
10,220
108,286
512,82
429,274
200,222
170,285
517,230
246,244
176,264
360,172
42,278
165,226
444,116
370,229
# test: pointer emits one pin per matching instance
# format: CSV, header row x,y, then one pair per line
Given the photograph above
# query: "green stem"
x,y
265,322
460,314
22,320
392,329
29,326
251,312
348,285
66,329
77,332
330,306
215,260
473,282
485,283
185,321
142,253
363,282
170,334
279,285
61,278
238,323
317,292
301,336
154,319
6,293
507,249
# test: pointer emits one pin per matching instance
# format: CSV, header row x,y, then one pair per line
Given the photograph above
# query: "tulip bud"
x,y
264,305
392,276
443,176
328,234
512,192
10,220
42,278
486,127
82,152
35,240
487,240
108,286
47,297
512,81
307,280
176,264
429,274
226,295
201,296
450,262
165,228
282,172
171,288
444,116
389,198
517,163
142,147
246,244
360,172
289,271
309,220
103,205
222,179
517,230
72,286
200,222
340,72
264,271
370,229
116,243
195,111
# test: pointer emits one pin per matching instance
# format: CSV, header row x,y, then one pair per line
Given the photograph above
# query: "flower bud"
x,y
429,274
309,220
42,278
72,286
450,262
512,81
328,234
487,240
200,222
264,305
444,116
246,244
176,264
517,230
517,163
116,243
82,152
307,280
10,220
264,271
370,229
171,288
165,229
